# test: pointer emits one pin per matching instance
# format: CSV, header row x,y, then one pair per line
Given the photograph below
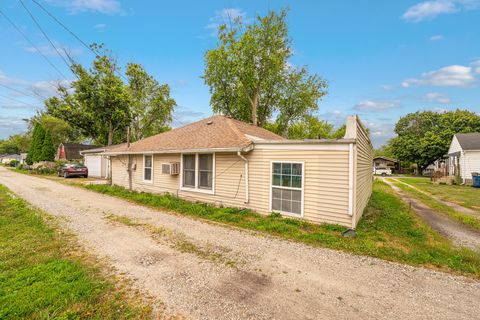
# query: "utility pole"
x,y
129,165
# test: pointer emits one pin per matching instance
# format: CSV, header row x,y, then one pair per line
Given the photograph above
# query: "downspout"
x,y
247,194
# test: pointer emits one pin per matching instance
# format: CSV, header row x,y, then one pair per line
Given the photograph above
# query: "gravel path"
x,y
265,277
458,233
452,205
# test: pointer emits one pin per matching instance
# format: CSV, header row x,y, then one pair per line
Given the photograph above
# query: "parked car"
x,y
382,171
73,170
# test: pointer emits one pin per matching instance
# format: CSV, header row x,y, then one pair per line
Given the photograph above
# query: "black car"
x,y
73,170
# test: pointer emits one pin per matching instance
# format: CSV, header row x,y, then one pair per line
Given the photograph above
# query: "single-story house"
x,y
71,151
386,162
464,155
7,158
227,162
97,162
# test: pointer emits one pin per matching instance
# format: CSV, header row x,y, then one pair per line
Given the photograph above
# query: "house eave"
x,y
170,151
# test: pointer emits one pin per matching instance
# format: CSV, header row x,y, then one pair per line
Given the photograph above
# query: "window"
x,y
189,170
205,171
197,171
147,168
287,188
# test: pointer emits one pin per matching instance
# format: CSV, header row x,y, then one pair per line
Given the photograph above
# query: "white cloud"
x,y
110,7
11,125
437,37
476,66
429,10
380,132
450,76
51,52
4,79
437,97
225,16
376,105
334,116
100,26
48,88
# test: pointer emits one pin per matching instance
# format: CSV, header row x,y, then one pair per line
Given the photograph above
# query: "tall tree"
x,y
424,136
60,130
308,127
48,149
35,149
250,77
151,106
100,103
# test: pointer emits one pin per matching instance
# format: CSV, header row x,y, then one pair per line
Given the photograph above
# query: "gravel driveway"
x,y
234,274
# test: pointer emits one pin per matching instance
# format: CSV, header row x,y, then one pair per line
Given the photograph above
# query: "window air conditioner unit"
x,y
172,168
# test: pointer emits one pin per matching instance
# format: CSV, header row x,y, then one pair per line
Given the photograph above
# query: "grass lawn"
x,y
45,275
388,230
466,196
471,221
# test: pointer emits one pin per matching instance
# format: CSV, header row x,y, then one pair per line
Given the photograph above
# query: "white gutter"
x,y
113,153
247,195
350,179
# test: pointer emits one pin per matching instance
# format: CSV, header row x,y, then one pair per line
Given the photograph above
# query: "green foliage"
x,y
388,229
309,127
42,276
59,129
35,149
8,147
48,149
13,163
102,105
250,78
151,106
425,136
385,150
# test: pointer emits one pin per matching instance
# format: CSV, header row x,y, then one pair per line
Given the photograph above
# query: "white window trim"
x,y
197,189
290,214
143,169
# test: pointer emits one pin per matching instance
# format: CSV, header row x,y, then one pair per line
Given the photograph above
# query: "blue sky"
x,y
382,59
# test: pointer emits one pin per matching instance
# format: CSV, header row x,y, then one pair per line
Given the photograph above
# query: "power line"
x,y
32,44
44,33
18,101
64,26
34,95
96,52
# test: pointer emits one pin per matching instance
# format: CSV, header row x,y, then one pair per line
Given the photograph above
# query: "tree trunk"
x,y
419,170
254,103
110,133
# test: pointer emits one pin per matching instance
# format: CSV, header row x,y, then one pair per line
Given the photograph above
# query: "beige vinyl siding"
x,y
325,186
363,171
229,178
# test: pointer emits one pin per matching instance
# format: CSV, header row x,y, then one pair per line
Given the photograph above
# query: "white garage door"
x,y
94,165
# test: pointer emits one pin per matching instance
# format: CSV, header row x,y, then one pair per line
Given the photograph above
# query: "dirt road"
x,y
206,271
457,232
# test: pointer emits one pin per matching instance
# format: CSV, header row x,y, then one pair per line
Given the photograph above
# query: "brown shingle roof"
x,y
217,132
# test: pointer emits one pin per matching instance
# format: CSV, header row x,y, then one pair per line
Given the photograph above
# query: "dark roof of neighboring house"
x,y
217,132
12,156
72,150
386,158
102,149
469,141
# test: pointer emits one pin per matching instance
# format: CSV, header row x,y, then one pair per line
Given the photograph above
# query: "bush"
x,y
14,163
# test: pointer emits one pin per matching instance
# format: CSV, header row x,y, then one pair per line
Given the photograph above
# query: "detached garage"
x,y
98,165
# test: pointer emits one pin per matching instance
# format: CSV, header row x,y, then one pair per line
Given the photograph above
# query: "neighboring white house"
x,y
464,155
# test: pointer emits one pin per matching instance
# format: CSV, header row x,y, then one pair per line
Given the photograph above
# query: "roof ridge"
x,y
237,131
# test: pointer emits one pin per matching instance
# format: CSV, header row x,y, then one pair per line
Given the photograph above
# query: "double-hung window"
x,y
287,187
147,168
197,172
